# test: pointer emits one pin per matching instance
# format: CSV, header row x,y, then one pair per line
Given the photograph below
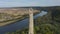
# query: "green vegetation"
x,y
43,25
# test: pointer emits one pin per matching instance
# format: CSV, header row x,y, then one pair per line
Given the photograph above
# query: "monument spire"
x,y
31,25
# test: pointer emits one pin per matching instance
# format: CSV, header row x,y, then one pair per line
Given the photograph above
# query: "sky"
x,y
21,3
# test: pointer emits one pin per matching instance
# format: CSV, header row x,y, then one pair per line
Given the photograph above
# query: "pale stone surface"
x,y
31,25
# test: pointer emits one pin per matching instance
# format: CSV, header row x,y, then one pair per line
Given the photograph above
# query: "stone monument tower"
x,y
31,25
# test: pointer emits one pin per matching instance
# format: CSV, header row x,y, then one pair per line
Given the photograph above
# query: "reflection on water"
x,y
41,14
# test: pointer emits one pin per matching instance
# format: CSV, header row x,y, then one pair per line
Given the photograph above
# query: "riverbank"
x,y
11,21
8,22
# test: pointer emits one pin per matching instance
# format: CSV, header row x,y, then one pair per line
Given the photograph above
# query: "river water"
x,y
19,25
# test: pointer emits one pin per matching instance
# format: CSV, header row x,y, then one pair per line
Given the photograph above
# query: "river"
x,y
19,25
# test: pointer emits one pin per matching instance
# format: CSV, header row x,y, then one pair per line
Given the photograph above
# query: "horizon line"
x,y
27,6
